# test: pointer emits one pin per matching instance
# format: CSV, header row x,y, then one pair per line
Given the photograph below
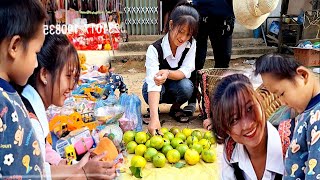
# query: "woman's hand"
x,y
207,124
154,127
161,76
96,169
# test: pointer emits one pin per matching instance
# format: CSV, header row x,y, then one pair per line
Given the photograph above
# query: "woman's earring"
x,y
45,82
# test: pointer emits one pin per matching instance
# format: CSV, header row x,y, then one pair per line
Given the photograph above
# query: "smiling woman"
x,y
58,70
250,140
51,83
169,64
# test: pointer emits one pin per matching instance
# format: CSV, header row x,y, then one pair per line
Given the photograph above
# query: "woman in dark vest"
x,y
169,63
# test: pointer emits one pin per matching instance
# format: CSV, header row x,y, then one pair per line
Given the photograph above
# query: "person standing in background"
x,y
217,23
168,6
217,18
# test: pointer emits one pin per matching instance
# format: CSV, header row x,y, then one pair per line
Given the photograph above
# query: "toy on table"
x,y
70,154
84,105
59,125
93,92
83,145
82,59
61,130
80,139
87,117
103,69
83,120
62,125
80,89
60,147
113,82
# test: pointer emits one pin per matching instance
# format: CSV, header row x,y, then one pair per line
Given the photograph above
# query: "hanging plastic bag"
x,y
123,99
137,104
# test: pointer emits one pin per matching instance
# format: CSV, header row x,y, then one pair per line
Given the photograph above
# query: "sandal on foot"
x,y
147,120
148,113
179,115
189,109
146,117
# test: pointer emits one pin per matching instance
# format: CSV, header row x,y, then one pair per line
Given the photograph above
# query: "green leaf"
x,y
179,165
136,171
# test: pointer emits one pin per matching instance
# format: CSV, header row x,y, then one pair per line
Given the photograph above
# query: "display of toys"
x,y
62,125
58,123
80,89
84,106
70,154
74,138
91,125
102,115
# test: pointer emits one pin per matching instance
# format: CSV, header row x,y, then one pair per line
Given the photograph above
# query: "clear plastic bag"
x,y
108,111
110,101
132,119
108,114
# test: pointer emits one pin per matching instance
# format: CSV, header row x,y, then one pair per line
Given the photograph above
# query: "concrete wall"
x,y
295,6
242,31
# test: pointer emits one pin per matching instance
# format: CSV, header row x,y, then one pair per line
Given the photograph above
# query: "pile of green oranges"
x,y
174,145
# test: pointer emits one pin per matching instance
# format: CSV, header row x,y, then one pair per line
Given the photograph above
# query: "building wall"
x,y
295,6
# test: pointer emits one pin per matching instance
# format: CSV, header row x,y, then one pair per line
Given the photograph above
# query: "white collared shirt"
x,y
152,62
41,125
274,162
